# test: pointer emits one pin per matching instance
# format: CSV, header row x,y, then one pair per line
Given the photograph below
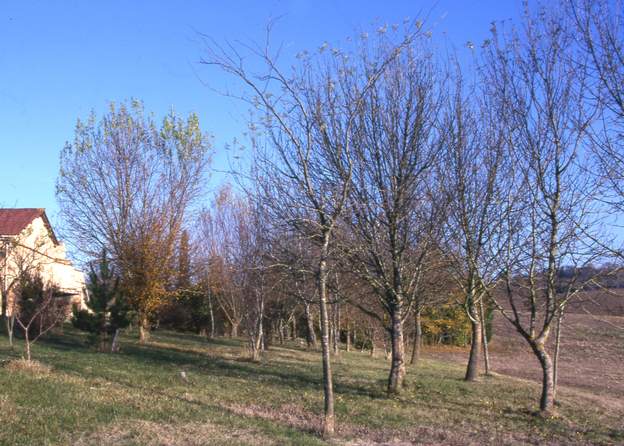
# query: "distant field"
x,y
139,397
592,355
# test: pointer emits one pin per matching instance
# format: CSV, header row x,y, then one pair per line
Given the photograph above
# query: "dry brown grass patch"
x,y
168,434
291,415
32,366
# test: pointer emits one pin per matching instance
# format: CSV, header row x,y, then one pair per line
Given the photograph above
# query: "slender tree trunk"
x,y
328,385
10,324
280,331
234,329
547,400
472,371
336,329
115,342
486,350
144,329
310,333
348,346
397,369
27,339
416,348
212,320
556,355
294,327
385,345
257,332
372,341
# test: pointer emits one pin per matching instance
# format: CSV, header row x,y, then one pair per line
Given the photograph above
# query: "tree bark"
x,y
556,358
416,348
115,342
328,385
547,400
27,339
397,369
310,333
10,324
234,330
144,329
372,342
212,320
472,371
486,350
280,331
336,329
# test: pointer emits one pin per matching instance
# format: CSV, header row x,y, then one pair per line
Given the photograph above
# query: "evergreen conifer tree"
x,y
107,310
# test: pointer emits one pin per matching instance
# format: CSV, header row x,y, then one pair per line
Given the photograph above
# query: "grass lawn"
x,y
139,397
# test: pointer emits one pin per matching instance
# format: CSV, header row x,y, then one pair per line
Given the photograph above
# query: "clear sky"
x,y
61,59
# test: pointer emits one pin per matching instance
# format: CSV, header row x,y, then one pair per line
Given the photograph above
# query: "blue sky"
x,y
61,59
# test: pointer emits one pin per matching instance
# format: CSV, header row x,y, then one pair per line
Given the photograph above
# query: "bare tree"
x,y
303,161
38,309
294,259
538,93
227,231
126,185
393,215
474,178
599,26
20,257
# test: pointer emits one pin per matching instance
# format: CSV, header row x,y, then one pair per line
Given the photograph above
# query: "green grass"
x,y
139,397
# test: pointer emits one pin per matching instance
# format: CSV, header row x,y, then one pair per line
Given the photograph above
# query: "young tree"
x,y
538,92
303,171
19,260
599,26
475,177
125,185
107,311
39,309
224,229
393,215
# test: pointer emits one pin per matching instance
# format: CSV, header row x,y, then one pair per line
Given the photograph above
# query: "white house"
x,y
28,245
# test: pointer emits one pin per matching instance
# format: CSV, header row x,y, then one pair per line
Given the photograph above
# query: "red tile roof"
x,y
14,221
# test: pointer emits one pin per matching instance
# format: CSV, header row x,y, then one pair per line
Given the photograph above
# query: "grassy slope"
x,y
139,397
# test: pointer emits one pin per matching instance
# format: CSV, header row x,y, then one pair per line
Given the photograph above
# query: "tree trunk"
x,y
115,342
385,345
10,324
328,385
257,333
310,333
556,357
397,369
417,337
348,346
336,329
212,320
486,350
547,400
372,342
234,329
27,339
144,329
472,371
280,331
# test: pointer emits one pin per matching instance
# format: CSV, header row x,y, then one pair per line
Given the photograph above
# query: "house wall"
x,y
33,251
